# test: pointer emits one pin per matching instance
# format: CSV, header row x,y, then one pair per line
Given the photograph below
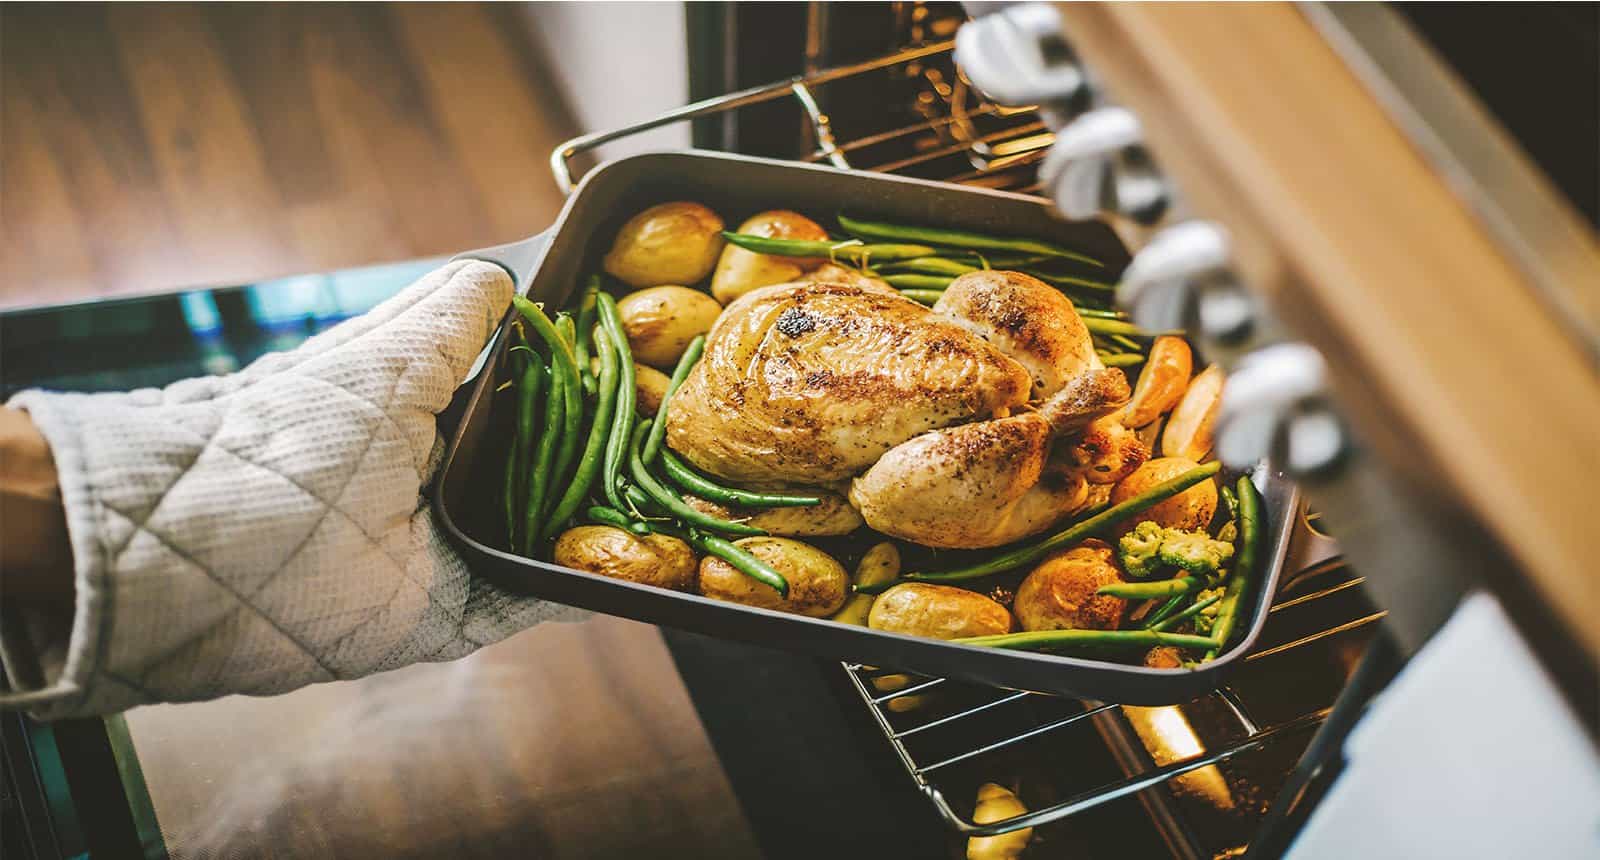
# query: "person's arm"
x,y
35,557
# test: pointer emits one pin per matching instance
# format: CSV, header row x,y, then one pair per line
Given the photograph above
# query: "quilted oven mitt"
x,y
257,532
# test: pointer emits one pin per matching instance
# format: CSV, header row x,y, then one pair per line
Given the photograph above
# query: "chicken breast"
x,y
991,482
812,383
1028,320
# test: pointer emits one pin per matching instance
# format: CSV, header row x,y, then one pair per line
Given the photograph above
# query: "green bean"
x,y
1127,343
544,455
1070,282
1100,314
1113,327
1166,609
1087,528
925,297
621,419
568,331
563,365
741,561
529,382
613,517
1058,638
686,362
849,250
931,266
580,350
1193,610
960,239
1155,588
1005,261
599,429
691,481
1124,359
1244,564
669,500
918,282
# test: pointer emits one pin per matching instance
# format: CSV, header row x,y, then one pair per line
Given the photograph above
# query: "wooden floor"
x,y
149,147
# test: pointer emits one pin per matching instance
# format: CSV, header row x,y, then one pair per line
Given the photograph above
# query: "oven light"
x,y
1166,733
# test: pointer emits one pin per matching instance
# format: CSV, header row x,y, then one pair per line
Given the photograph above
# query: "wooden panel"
x,y
1443,355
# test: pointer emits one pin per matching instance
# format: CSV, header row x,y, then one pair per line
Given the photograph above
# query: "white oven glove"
x,y
256,532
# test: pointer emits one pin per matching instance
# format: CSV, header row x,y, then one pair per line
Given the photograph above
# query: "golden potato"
x,y
878,565
817,584
1161,382
658,560
739,270
660,322
1190,509
996,803
1163,657
1060,593
651,386
835,516
1188,432
938,612
671,243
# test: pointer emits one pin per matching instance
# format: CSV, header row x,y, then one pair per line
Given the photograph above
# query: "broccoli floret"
x,y
1206,618
1195,552
1150,546
1140,549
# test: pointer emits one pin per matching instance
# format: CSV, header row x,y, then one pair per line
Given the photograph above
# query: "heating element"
x,y
1204,771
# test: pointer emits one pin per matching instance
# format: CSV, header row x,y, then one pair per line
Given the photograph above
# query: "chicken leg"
x,y
990,482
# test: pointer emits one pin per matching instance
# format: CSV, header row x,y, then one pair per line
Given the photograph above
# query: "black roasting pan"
x,y
549,268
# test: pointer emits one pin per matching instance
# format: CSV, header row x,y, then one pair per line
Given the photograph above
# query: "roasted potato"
x,y
739,270
996,803
658,560
651,386
833,273
1161,382
1188,432
1060,593
880,564
817,584
660,322
937,611
671,243
834,516
1163,657
1188,510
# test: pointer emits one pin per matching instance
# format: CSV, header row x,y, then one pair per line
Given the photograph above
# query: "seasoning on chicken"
x,y
812,383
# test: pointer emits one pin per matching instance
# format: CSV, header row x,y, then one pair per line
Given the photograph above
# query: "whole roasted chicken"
x,y
927,410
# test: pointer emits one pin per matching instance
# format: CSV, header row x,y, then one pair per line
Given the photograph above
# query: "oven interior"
x,y
879,91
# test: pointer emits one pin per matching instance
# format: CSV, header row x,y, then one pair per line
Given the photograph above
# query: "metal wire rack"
x,y
947,734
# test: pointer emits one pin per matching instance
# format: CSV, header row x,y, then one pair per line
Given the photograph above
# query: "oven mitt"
x,y
256,532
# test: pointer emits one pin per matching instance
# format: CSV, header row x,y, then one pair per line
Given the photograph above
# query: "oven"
x,y
887,763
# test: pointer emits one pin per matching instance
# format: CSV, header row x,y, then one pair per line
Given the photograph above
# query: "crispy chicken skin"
x,y
1028,320
990,482
812,383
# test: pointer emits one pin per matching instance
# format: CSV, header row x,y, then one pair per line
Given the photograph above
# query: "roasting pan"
x,y
549,267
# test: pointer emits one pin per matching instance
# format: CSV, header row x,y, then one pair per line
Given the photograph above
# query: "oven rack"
x,y
960,137
974,745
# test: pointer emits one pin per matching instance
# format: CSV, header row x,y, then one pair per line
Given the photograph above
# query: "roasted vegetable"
x,y
661,322
997,804
1150,546
817,583
671,243
651,385
1190,509
832,515
1162,381
937,611
1244,570
880,564
881,231
741,270
658,560
1060,593
1188,431
1163,657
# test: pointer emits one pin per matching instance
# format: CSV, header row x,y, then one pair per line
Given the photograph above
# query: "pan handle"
x,y
520,259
